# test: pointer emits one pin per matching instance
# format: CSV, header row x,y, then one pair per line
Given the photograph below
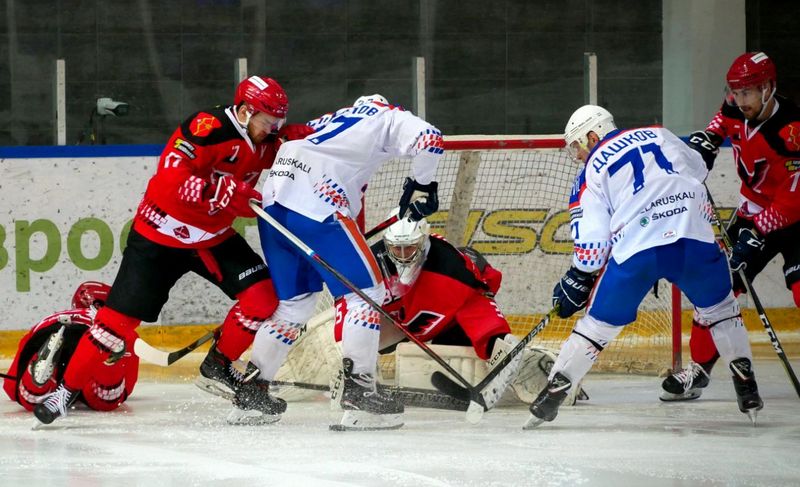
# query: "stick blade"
x,y
150,354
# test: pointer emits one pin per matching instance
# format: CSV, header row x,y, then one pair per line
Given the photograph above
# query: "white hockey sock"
x,y
579,352
727,329
275,337
361,330
731,339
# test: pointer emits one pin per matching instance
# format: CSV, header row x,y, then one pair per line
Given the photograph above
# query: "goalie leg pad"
x,y
495,389
579,352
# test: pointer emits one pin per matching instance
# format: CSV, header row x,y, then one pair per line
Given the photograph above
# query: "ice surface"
x,y
173,434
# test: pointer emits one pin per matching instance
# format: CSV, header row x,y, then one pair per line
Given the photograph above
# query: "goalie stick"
x,y
449,387
152,355
762,314
409,396
477,404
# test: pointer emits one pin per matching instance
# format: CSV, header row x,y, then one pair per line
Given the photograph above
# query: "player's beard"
x,y
257,137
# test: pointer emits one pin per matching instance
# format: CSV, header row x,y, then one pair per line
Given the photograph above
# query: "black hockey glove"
x,y
420,200
572,291
747,247
707,144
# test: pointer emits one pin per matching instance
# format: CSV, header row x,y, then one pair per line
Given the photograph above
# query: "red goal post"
x,y
507,197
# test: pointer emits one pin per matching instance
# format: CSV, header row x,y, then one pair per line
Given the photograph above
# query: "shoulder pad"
x,y
209,127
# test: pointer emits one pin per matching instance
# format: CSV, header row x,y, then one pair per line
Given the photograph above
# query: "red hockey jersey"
x,y
767,157
452,289
175,209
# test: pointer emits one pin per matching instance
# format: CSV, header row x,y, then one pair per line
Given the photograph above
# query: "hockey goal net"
x,y
507,197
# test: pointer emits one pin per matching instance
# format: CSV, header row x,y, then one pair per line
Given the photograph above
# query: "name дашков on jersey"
x,y
616,145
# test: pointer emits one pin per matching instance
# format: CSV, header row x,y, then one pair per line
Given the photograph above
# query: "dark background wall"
x,y
502,67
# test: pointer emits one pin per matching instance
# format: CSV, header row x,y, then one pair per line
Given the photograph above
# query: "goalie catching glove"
x,y
420,200
233,196
572,292
707,144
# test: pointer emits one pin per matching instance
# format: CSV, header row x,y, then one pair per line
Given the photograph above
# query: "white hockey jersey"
x,y
328,171
640,188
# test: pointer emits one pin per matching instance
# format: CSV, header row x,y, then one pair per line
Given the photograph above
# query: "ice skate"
x,y
253,404
54,406
43,366
219,375
686,384
744,382
367,406
545,407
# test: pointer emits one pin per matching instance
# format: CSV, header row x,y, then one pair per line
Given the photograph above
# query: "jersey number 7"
x,y
635,159
334,128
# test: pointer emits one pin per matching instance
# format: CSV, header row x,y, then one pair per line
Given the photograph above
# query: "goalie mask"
x,y
90,294
407,243
588,118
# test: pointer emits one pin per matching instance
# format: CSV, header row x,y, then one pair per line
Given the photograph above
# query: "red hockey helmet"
x,y
750,69
90,292
262,95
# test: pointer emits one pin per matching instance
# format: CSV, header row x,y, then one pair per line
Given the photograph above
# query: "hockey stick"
x,y
477,404
762,314
448,386
381,227
6,376
407,395
151,354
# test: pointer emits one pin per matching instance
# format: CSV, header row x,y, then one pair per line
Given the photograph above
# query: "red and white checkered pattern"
x,y
192,190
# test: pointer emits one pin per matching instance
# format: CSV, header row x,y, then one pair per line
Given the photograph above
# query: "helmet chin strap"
x,y
765,102
247,116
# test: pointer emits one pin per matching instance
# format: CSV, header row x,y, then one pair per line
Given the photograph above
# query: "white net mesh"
x,y
511,205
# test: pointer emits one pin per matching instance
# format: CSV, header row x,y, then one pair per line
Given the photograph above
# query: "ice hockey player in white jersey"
x,y
315,190
640,211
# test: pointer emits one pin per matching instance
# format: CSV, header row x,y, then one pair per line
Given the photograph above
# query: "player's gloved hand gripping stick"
x,y
476,407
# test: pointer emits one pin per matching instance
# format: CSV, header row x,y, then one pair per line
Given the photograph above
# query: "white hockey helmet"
x,y
588,118
361,100
407,243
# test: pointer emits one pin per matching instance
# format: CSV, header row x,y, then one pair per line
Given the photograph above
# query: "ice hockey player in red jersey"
x,y
202,183
418,267
48,347
764,130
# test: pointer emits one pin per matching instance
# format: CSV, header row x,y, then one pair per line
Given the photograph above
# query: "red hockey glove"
x,y
294,131
233,196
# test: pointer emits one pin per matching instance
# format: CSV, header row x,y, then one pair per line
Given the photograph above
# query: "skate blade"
x,y
532,423
250,417
752,413
686,396
214,387
364,421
